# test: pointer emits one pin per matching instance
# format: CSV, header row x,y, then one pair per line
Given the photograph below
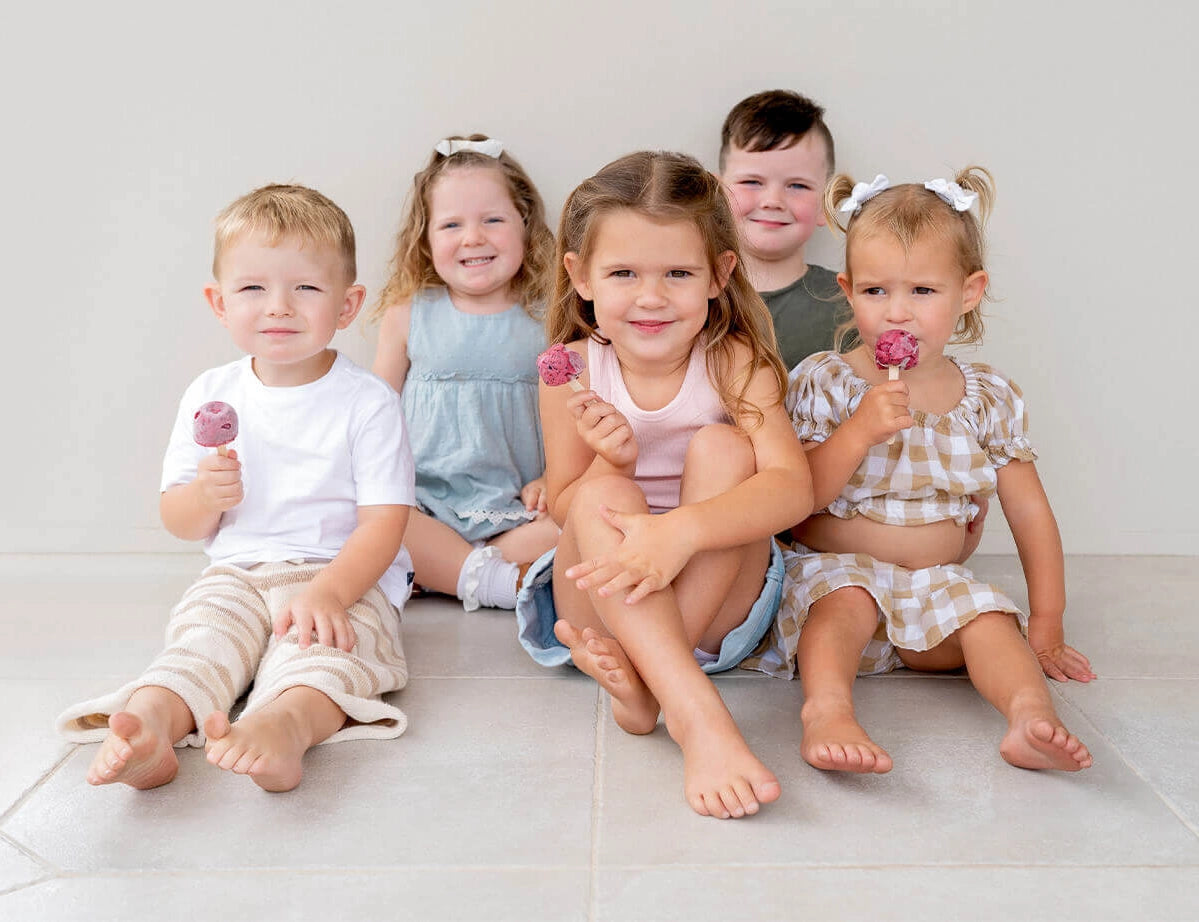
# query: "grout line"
x,y
954,866
46,776
18,846
597,800
1179,814
16,888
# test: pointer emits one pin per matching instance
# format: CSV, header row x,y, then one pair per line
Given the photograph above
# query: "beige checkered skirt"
x,y
917,609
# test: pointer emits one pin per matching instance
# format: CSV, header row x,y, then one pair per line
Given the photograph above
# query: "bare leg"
x,y
716,590
722,776
438,552
269,744
830,648
525,543
1006,673
139,749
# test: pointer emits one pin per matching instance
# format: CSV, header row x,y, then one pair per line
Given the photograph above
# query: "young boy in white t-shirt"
x,y
302,519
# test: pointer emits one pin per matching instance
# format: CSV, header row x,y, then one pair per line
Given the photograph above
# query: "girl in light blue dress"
x,y
459,335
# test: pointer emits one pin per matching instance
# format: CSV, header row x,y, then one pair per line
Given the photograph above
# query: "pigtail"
x,y
978,180
837,191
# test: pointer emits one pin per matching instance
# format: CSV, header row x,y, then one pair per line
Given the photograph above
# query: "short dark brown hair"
x,y
774,119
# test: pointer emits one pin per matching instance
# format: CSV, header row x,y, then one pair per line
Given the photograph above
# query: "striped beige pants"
x,y
219,640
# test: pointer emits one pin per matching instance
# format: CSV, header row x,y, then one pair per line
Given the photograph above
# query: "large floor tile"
x,y
1111,603
443,640
1154,723
27,736
16,870
950,799
494,772
898,894
423,893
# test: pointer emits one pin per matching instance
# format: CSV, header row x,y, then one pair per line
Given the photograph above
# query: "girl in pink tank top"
x,y
681,415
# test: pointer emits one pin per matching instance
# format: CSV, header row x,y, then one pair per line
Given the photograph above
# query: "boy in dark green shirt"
x,y
776,154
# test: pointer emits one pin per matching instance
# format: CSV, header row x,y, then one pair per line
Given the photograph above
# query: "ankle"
x,y
826,705
488,580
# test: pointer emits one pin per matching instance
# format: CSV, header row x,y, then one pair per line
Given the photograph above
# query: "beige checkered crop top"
x,y
930,471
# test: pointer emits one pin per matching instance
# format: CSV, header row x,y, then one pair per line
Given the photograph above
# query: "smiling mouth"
x,y
650,326
771,223
477,261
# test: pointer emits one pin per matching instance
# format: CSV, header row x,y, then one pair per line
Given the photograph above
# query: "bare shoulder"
x,y
396,320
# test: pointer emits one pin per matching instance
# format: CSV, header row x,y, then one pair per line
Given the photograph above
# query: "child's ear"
x,y
355,295
578,275
846,286
973,289
212,292
726,262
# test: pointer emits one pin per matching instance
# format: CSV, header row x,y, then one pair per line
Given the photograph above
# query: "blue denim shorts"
x,y
535,616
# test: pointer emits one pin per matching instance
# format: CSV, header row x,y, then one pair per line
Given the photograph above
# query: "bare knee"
x,y
848,602
719,456
614,491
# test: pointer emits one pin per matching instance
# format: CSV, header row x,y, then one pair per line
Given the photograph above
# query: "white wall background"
x,y
129,125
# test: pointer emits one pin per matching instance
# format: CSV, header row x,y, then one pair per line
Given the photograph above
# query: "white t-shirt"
x,y
310,455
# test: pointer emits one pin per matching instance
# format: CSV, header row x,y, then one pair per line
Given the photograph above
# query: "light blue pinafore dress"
x,y
470,401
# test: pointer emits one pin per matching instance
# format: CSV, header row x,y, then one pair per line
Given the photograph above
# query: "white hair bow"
x,y
447,147
864,192
952,194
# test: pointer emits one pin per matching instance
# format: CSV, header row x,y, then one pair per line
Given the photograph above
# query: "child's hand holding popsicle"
x,y
894,350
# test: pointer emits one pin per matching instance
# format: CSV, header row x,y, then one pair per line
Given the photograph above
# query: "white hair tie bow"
x,y
864,192
447,147
952,194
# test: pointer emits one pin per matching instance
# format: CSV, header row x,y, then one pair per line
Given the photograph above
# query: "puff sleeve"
x,y
817,396
1003,419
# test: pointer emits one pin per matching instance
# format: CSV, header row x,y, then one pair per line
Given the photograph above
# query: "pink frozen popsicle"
x,y
215,425
894,350
559,365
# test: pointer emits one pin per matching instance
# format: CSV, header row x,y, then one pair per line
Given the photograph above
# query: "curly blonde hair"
x,y
412,264
910,212
672,187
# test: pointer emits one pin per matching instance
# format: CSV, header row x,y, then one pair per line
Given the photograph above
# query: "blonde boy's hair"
x,y
909,213
670,187
412,264
278,211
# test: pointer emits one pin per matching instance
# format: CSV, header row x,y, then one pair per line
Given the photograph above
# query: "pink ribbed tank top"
x,y
662,435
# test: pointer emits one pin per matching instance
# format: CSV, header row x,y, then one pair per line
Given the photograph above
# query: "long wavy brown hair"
x,y
671,187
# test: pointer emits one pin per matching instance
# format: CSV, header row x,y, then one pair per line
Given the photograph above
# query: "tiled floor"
x,y
513,795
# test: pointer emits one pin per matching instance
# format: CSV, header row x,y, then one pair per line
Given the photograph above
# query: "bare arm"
x,y
367,553
192,511
363,559
1039,544
569,460
391,351
882,412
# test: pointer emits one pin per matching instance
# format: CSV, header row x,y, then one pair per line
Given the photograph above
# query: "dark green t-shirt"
x,y
806,314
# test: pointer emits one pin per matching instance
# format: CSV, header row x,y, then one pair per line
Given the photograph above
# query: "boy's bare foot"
x,y
721,775
1040,743
634,707
834,741
267,746
133,753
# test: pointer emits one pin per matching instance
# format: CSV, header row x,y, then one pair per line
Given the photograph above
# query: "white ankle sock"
x,y
487,579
